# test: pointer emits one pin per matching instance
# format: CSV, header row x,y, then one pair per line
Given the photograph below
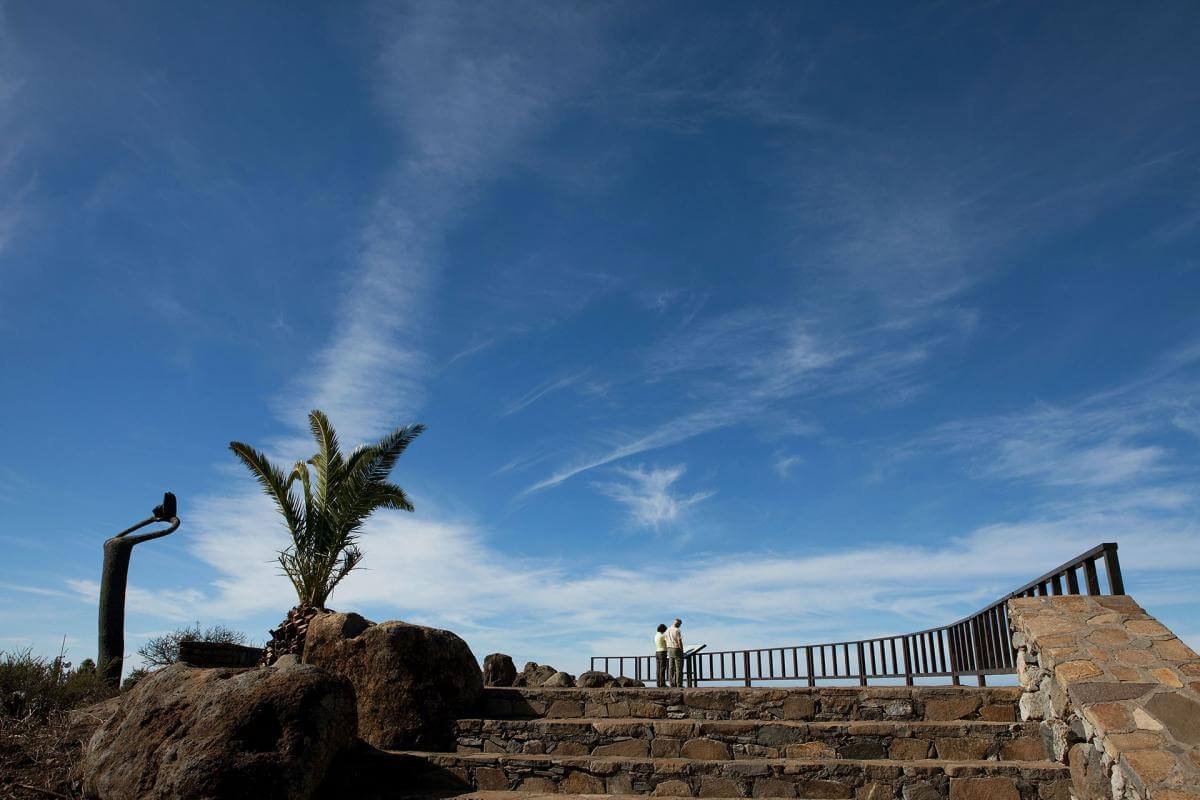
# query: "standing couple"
x,y
668,652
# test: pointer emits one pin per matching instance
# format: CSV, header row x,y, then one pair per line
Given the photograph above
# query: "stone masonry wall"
x,y
930,703
1117,694
219,654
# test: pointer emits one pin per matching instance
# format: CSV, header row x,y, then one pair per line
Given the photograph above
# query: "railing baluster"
x,y
908,678
975,647
746,666
796,663
1072,581
808,665
862,666
956,651
1093,580
1116,584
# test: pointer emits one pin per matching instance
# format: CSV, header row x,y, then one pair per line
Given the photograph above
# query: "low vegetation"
x,y
44,716
40,738
159,651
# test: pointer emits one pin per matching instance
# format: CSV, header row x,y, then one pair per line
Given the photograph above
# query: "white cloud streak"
x,y
462,100
541,390
751,362
649,497
13,187
1109,439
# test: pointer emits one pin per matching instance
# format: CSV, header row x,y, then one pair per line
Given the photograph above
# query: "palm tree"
x,y
325,517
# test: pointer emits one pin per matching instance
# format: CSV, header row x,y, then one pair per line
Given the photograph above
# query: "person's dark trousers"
x,y
661,662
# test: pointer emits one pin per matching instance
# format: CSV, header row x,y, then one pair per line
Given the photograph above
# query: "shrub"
x,y
40,742
35,687
131,680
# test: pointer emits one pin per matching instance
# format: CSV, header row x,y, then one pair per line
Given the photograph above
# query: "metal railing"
x,y
977,645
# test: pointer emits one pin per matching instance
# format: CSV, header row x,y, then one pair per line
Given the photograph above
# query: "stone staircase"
x,y
866,743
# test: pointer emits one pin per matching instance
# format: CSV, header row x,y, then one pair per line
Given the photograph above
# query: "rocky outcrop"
x,y
624,682
535,674
560,680
185,732
499,670
595,680
411,682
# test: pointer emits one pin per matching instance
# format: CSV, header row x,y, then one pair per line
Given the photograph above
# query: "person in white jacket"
x,y
674,639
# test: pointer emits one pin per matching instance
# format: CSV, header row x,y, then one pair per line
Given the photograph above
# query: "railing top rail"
x,y
1078,560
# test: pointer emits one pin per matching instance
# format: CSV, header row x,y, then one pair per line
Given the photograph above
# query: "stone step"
x,y
932,703
835,779
516,795
496,795
750,739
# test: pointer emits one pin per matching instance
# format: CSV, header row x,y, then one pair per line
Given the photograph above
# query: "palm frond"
x,y
328,458
274,483
300,473
375,463
389,495
338,496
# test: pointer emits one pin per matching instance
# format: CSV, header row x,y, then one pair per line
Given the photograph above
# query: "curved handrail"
x,y
977,645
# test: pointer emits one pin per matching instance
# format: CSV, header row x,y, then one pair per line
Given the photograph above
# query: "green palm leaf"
x,y
339,495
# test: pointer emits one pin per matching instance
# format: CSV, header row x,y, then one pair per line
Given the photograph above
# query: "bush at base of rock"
x,y
412,682
499,670
185,732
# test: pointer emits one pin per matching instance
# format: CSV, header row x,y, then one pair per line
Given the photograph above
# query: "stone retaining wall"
x,y
1117,694
219,654
679,777
739,740
892,703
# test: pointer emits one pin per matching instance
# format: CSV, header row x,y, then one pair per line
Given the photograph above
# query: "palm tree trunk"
x,y
288,638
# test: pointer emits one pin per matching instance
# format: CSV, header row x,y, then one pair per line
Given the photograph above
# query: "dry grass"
x,y
47,712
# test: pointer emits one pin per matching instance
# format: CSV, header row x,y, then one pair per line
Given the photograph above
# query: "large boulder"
x,y
560,680
411,682
499,670
595,680
185,732
535,674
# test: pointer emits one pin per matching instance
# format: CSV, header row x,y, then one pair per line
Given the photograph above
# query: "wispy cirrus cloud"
x,y
14,185
650,497
741,366
783,465
541,390
462,100
1108,439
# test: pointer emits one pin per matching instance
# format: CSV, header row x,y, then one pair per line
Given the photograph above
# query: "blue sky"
x,y
800,321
